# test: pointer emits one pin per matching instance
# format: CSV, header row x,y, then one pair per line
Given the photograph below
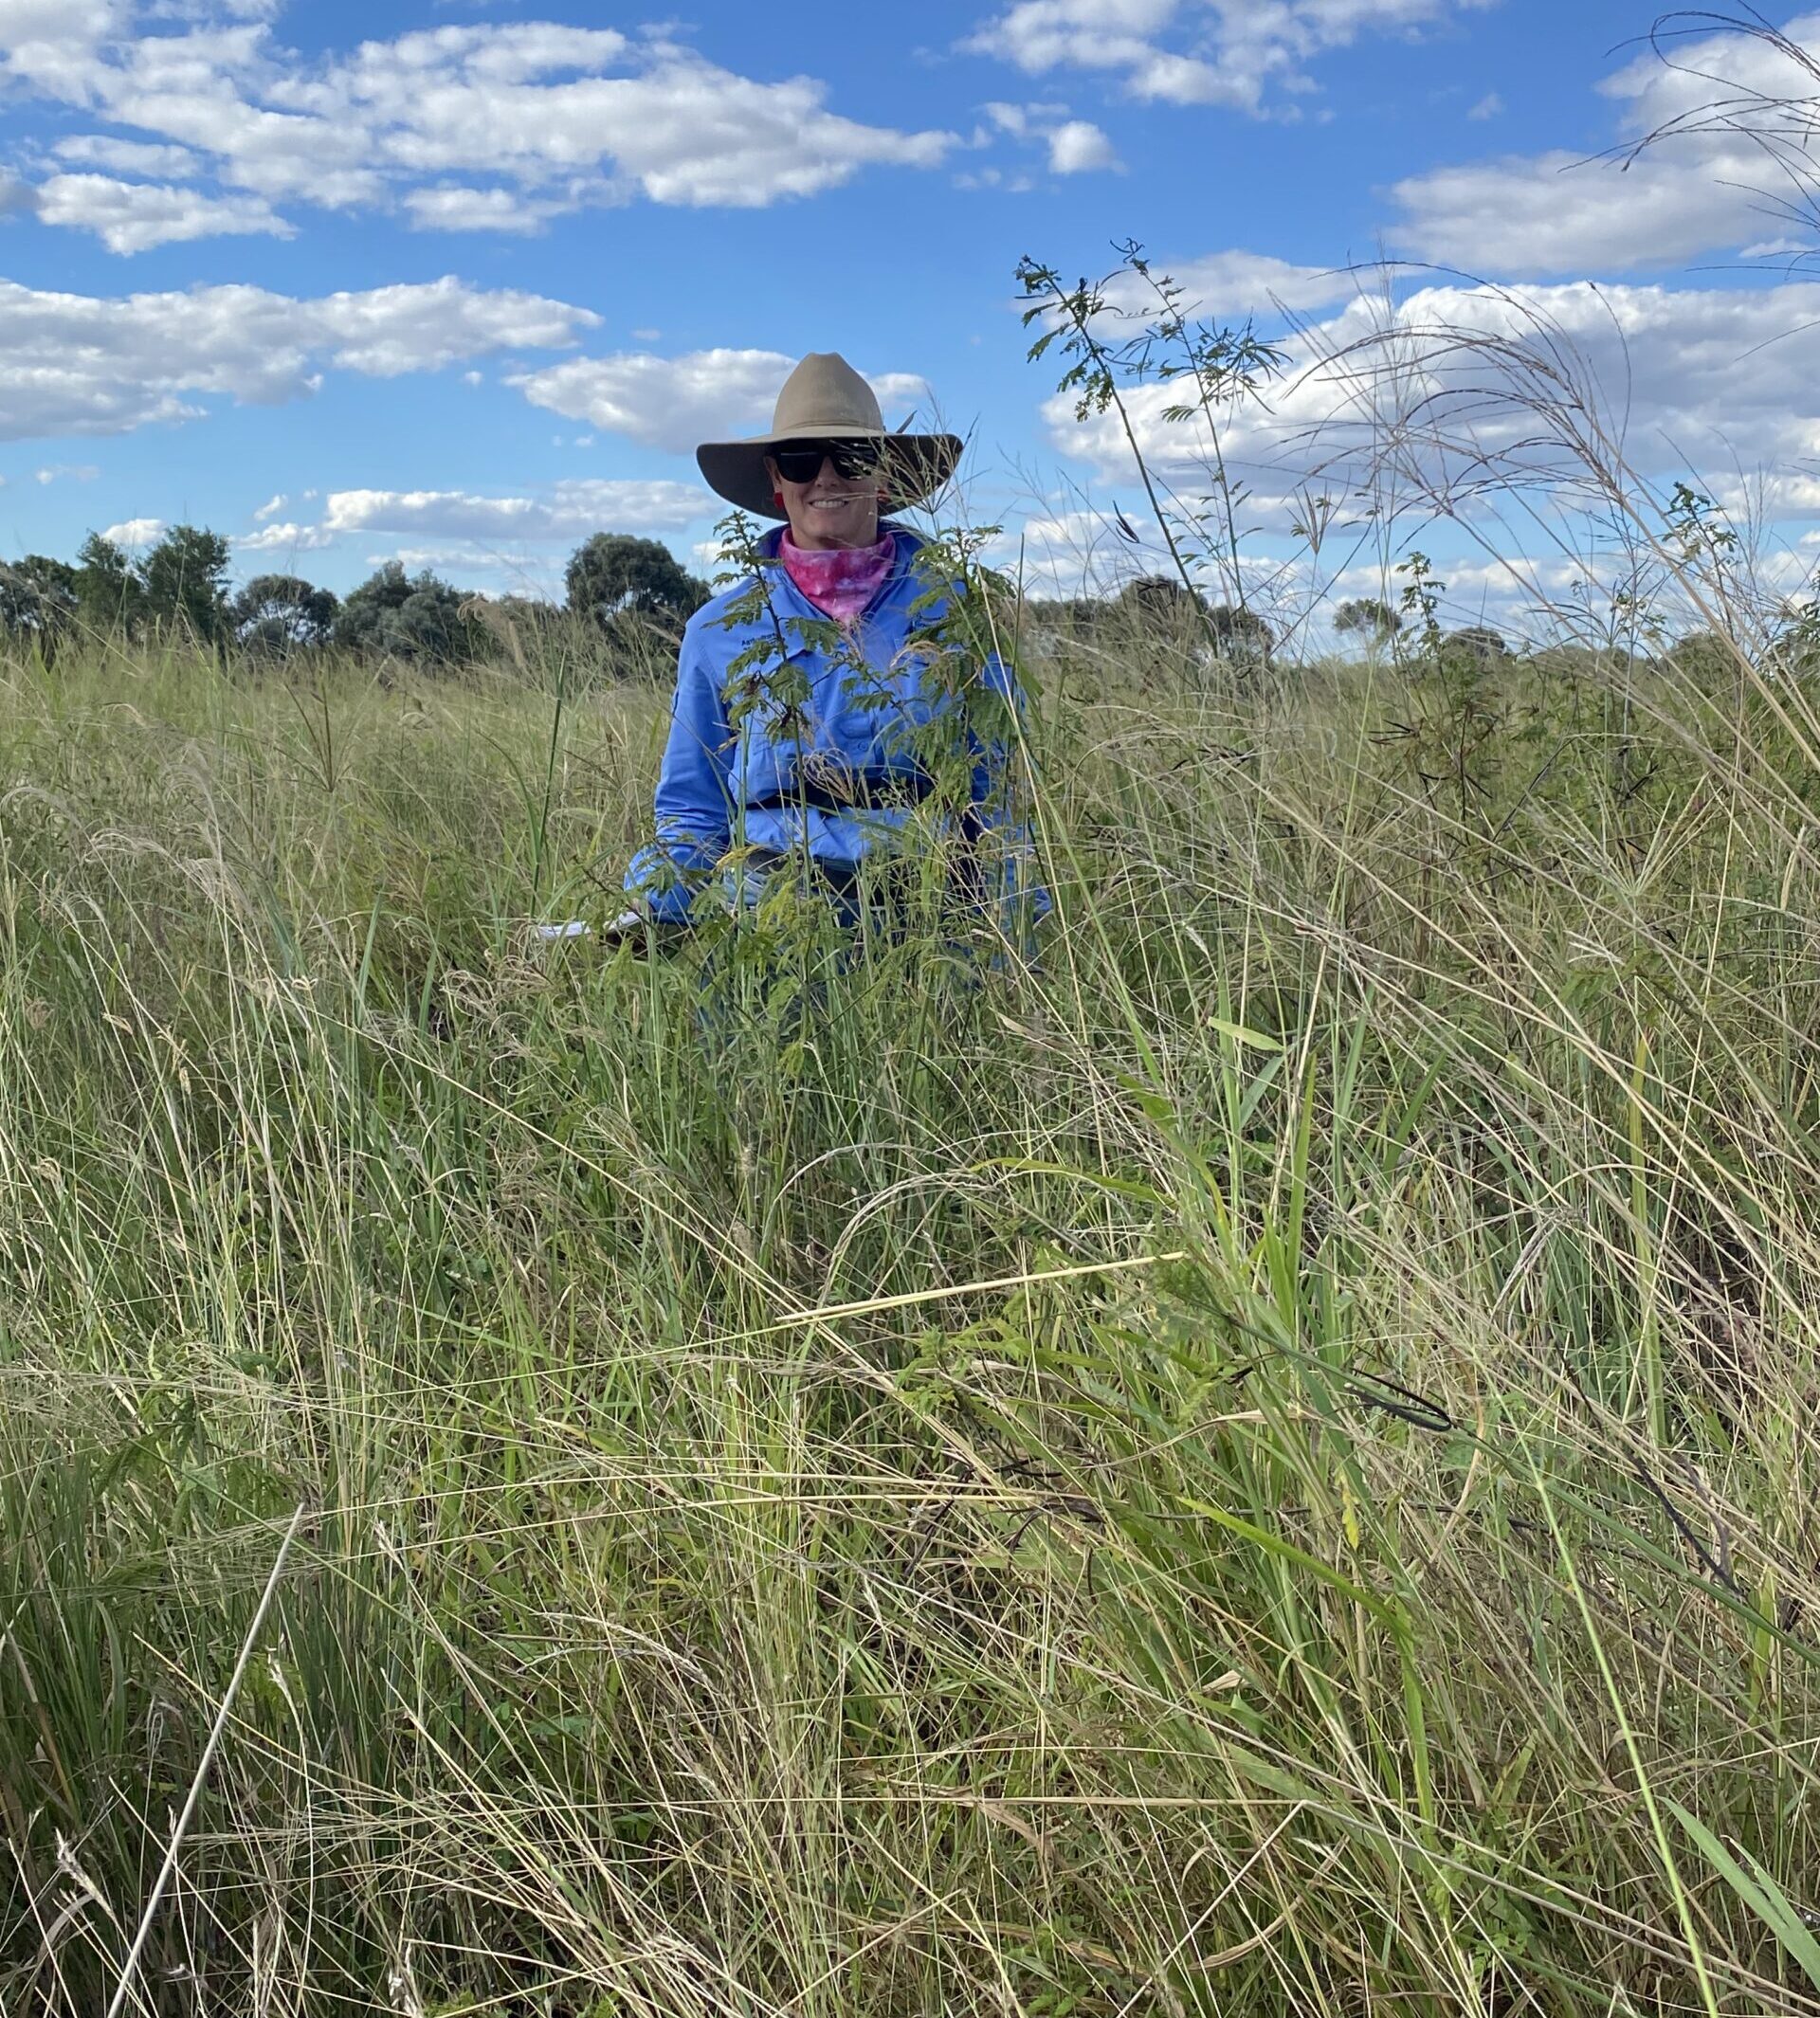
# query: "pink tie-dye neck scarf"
x,y
840,581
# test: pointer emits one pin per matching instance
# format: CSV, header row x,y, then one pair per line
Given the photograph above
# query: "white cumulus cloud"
x,y
1064,548
1237,283
286,538
1700,188
490,126
456,207
132,534
569,510
1075,146
87,365
1217,52
128,157
1717,385
1078,145
1561,212
134,216
52,44
673,403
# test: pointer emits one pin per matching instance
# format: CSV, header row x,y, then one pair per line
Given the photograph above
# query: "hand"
x,y
640,933
629,928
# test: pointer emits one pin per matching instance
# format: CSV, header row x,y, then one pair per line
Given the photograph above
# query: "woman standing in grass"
x,y
823,700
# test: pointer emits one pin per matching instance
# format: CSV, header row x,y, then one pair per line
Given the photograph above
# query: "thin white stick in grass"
x,y
169,1864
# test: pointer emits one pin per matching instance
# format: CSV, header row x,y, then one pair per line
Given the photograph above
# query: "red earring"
x,y
777,498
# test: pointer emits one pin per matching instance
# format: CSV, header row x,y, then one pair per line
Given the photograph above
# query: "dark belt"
x,y
870,794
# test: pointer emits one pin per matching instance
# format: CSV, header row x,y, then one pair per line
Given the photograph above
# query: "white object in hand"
x,y
575,928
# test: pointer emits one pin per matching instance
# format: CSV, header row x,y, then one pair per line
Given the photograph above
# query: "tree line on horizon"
x,y
631,590
181,586
1241,635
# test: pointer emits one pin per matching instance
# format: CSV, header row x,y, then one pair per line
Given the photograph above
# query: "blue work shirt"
x,y
833,766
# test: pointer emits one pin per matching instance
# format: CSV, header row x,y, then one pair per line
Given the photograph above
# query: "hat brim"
x,y
915,466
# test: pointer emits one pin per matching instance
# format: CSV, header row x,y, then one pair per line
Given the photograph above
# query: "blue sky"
x,y
460,282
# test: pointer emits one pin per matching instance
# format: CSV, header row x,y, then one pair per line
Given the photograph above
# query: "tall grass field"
x,y
1260,1460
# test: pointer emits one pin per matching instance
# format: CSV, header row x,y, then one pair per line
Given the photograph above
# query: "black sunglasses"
x,y
801,461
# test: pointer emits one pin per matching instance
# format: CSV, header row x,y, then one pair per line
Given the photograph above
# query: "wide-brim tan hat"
x,y
826,399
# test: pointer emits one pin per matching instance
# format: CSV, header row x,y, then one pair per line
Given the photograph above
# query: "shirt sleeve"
x,y
694,791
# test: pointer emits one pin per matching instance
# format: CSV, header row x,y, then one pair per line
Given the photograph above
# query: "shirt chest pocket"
x,y
882,714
